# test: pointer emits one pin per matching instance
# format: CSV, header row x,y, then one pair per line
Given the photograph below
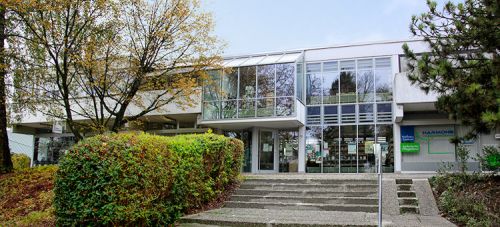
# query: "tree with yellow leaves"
x,y
100,64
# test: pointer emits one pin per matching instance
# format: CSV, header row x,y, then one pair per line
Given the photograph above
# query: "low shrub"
x,y
20,161
490,160
468,199
141,179
26,197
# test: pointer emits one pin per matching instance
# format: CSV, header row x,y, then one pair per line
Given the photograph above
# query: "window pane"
x,y
300,83
313,115
247,82
313,67
365,64
366,113
348,114
229,109
330,87
284,106
246,108
330,115
347,65
330,66
284,80
331,149
313,149
347,87
211,88
313,88
385,138
366,156
265,80
348,149
246,137
230,84
365,86
384,112
265,107
383,85
211,110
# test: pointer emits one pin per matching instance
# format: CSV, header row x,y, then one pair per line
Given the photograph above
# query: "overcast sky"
x,y
252,26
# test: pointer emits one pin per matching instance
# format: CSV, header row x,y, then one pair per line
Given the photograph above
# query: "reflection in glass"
x,y
366,113
366,156
365,86
300,82
330,87
284,80
265,81
211,110
246,108
266,150
331,149
229,109
284,106
386,140
313,149
230,84
383,85
348,149
289,151
348,113
247,82
265,107
330,115
246,138
211,87
313,89
313,115
347,87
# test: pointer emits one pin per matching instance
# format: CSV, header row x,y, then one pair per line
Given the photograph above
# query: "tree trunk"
x,y
6,161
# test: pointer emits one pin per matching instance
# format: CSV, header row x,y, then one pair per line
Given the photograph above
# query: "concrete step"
x,y
408,201
289,218
407,194
409,209
310,181
302,206
313,187
307,193
404,181
302,199
404,187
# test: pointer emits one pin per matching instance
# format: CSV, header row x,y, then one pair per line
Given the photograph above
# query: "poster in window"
x,y
368,147
351,148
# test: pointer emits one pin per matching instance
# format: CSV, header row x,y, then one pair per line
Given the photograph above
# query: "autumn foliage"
x,y
141,179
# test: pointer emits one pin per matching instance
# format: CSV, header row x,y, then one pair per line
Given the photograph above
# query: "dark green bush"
x,y
141,179
20,161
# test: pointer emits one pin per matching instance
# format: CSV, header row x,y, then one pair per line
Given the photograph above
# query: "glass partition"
x,y
313,149
289,151
265,81
247,82
331,146
366,156
348,149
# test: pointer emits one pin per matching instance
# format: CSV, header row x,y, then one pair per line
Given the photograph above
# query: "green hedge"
x,y
20,161
141,179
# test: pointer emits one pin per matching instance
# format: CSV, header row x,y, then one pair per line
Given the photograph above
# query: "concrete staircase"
x,y
407,197
296,202
307,194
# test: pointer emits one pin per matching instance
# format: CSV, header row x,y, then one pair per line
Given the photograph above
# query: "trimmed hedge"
x,y
141,179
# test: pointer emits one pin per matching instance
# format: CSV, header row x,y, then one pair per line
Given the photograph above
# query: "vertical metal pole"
x,y
380,188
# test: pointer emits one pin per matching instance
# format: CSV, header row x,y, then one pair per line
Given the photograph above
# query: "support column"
x,y
397,147
302,149
255,150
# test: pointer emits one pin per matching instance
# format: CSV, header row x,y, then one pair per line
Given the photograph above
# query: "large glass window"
x,y
366,113
284,106
284,80
230,84
386,140
313,149
265,81
348,149
383,79
366,86
246,137
313,115
331,149
211,110
347,87
247,82
246,108
229,109
330,87
313,83
211,88
289,151
366,156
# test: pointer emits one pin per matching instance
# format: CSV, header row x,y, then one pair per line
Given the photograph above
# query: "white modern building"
x,y
315,110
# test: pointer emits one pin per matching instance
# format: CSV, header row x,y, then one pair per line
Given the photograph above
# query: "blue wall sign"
x,y
407,134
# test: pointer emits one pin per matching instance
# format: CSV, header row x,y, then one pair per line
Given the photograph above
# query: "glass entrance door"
x,y
266,150
289,150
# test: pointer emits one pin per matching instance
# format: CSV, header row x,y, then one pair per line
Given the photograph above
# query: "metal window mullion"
x,y
275,104
255,95
238,99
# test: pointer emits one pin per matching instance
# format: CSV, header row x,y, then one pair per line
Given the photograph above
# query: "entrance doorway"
x,y
278,150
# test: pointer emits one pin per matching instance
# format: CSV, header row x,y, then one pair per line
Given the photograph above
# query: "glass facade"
x,y
250,92
349,109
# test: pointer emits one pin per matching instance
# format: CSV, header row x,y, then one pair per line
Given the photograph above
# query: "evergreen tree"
x,y
463,63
